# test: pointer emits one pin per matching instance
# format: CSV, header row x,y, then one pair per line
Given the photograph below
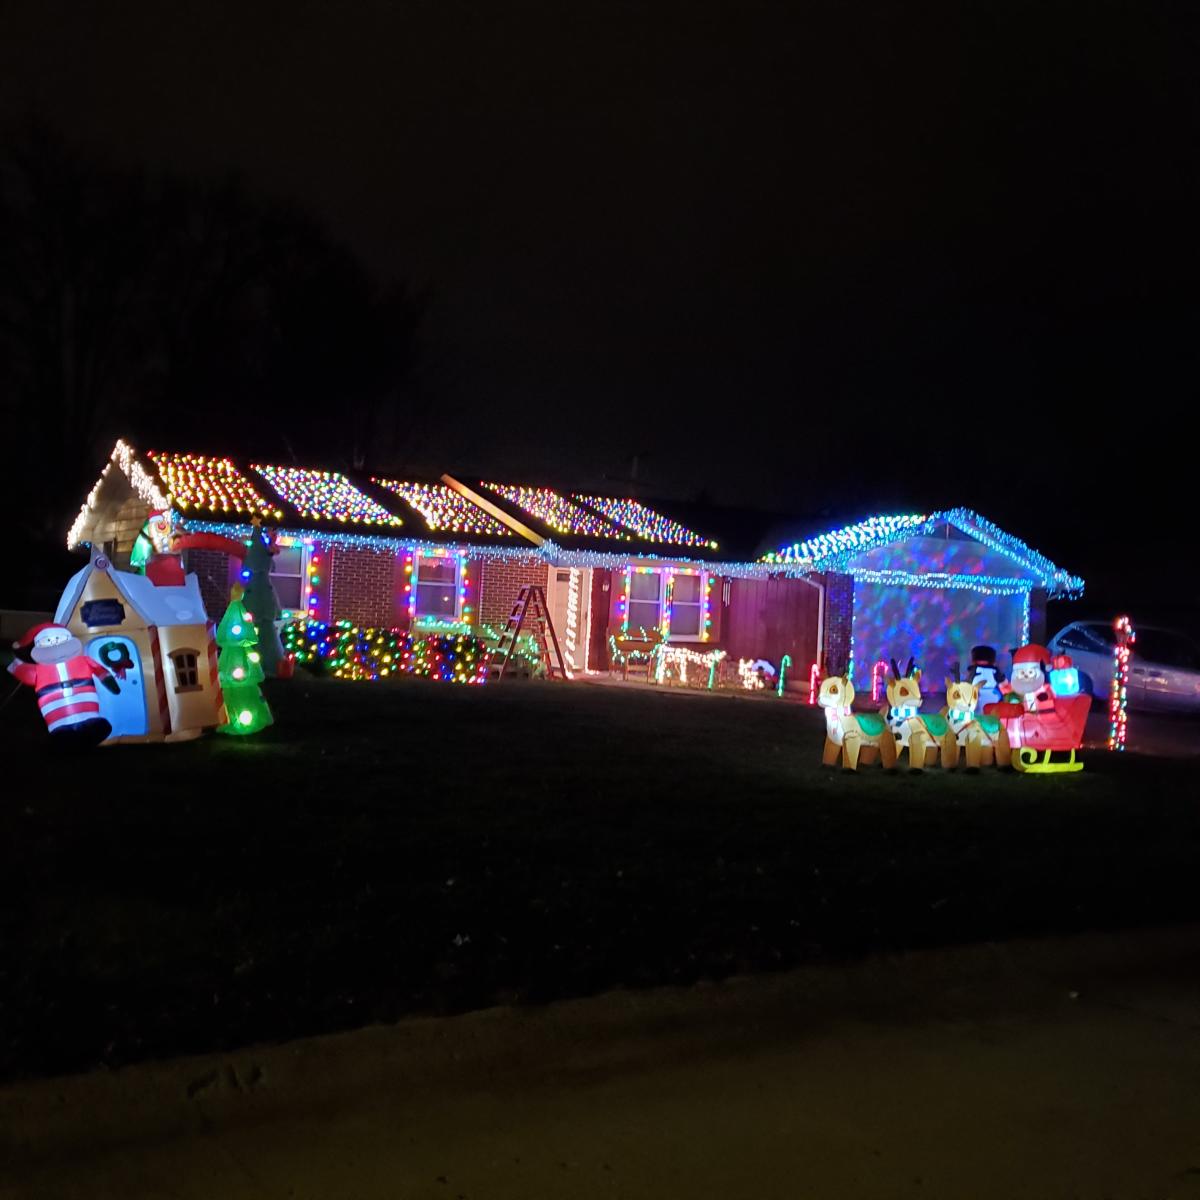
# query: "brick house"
x,y
382,551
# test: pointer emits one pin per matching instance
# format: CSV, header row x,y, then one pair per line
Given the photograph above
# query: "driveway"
x,y
1043,1069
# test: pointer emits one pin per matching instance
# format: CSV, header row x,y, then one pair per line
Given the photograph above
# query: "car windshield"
x,y
1095,638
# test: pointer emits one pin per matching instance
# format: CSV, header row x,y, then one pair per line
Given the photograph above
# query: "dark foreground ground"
x,y
414,848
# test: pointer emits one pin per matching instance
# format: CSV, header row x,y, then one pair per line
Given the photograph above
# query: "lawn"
x,y
414,847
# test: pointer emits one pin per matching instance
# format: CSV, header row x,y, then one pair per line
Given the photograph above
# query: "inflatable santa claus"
x,y
63,679
1029,679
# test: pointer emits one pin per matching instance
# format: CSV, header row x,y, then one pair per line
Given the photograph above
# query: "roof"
x,y
575,528
161,606
849,549
313,500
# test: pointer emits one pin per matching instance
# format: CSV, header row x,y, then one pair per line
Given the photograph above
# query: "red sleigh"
x,y
1034,736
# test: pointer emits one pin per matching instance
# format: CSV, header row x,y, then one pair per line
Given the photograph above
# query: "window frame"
x,y
665,575
194,669
301,609
415,612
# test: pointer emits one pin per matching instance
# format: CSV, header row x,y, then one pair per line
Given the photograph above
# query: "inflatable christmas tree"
x,y
240,667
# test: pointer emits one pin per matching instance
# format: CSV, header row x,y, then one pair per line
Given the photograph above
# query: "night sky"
x,y
847,255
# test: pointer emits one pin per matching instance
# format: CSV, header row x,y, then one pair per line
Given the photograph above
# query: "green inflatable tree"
x,y
240,668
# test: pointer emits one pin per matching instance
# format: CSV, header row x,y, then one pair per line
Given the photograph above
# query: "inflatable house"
x,y
158,642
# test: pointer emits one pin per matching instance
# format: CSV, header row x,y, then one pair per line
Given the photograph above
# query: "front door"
x,y
126,711
569,600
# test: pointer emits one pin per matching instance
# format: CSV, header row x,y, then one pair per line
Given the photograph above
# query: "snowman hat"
x,y
1032,654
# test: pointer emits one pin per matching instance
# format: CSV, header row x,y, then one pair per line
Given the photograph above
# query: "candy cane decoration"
x,y
814,682
1118,696
784,663
878,680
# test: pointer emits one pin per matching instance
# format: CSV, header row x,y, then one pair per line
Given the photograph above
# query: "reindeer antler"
x,y
895,670
912,662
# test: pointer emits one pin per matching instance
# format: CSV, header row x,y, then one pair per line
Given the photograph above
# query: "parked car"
x,y
1164,672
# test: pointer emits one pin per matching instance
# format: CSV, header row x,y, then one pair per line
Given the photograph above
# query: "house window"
x,y
288,577
645,600
687,606
187,670
436,586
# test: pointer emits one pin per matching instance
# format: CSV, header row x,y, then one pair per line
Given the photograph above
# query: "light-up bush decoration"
x,y
348,651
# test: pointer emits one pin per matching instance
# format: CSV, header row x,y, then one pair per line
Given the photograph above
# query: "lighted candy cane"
x,y
814,682
878,680
1120,683
784,663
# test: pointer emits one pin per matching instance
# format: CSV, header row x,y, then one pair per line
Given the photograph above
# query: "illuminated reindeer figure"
x,y
984,738
925,735
852,734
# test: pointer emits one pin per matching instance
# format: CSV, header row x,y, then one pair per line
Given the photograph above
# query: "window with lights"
x,y
436,586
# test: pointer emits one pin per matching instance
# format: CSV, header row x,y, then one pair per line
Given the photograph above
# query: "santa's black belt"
x,y
66,683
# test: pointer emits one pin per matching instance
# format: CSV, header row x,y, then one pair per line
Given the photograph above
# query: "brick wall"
x,y
362,585
500,581
213,572
839,611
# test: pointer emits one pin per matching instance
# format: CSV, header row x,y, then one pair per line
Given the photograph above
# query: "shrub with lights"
x,y
348,651
240,669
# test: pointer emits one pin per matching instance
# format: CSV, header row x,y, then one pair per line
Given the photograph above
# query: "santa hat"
x,y
38,634
1031,654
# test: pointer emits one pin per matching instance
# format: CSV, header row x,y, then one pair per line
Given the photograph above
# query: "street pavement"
x,y
1058,1069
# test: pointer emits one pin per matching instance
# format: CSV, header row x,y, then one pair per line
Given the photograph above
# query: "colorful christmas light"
x,y
214,484
348,651
879,673
647,524
557,511
1119,692
445,509
325,496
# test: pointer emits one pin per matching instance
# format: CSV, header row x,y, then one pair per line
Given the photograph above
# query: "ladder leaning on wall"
x,y
531,614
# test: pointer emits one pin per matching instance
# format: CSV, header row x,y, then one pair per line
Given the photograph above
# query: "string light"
x,y
680,657
144,485
649,525
835,550
1119,693
325,496
557,511
196,481
444,508
349,651
784,663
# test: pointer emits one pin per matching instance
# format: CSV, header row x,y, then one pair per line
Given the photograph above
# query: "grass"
x,y
410,847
